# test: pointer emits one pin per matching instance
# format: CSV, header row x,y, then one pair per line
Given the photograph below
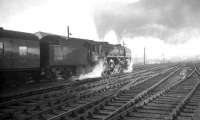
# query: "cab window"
x,y
58,53
23,50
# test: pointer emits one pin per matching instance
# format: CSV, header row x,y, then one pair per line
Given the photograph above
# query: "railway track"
x,y
36,103
39,106
61,89
190,104
79,112
76,87
109,106
175,102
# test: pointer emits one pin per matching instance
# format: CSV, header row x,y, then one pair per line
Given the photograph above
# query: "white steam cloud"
x,y
130,67
169,30
165,20
96,72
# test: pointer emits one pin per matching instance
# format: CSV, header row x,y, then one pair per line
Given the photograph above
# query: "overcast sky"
x,y
169,28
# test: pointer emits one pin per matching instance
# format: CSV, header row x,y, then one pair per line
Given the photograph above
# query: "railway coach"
x,y
19,57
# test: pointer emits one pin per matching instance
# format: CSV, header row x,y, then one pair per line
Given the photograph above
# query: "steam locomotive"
x,y
26,58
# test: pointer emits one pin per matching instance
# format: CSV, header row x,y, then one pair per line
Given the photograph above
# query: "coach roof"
x,y
58,38
17,35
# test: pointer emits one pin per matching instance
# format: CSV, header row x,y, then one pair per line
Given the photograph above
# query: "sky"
x,y
168,29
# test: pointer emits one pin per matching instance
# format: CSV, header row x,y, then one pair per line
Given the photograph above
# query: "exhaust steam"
x,y
96,72
130,67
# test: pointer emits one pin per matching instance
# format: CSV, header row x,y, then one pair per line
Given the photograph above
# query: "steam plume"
x,y
168,20
96,72
130,67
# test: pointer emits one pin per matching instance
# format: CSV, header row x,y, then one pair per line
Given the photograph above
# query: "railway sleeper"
x,y
49,109
74,113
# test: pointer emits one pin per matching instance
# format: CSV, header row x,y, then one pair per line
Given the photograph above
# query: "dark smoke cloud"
x,y
168,20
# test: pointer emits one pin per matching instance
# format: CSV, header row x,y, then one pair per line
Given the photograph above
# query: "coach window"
x,y
33,51
23,50
1,48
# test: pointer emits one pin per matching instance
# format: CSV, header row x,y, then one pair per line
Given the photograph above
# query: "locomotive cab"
x,y
95,51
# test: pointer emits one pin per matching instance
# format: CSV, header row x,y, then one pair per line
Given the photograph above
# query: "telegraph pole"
x,y
68,32
144,56
124,48
163,56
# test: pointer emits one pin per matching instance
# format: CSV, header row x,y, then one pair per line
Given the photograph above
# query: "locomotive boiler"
x,y
117,58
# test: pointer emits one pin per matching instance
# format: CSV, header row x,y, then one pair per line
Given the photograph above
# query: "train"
x,y
28,57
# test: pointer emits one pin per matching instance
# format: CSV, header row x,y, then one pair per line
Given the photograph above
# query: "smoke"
x,y
168,20
130,67
96,72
